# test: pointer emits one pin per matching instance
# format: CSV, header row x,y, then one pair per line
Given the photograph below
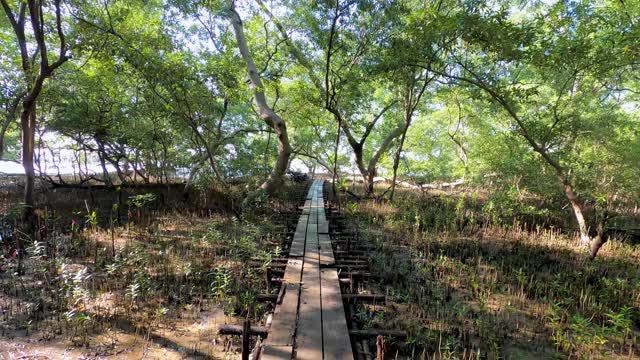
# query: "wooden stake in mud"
x,y
246,336
381,347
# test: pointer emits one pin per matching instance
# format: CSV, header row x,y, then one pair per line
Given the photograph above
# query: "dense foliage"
x,y
537,98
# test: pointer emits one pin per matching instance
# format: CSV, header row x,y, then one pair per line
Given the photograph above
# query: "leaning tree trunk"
x,y
579,215
273,120
599,240
593,243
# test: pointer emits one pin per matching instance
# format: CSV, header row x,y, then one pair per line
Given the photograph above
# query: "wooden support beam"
x,y
376,332
238,330
368,298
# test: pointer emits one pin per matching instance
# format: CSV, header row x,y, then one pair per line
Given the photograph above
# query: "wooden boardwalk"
x,y
309,322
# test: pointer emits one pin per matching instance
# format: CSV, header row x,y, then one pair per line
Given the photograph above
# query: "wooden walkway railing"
x,y
309,322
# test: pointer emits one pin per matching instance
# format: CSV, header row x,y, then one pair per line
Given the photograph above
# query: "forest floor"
x,y
462,283
466,286
171,281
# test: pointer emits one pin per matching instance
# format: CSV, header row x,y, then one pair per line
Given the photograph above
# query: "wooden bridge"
x,y
309,322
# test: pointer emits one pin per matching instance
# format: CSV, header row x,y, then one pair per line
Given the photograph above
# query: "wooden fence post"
x,y
246,336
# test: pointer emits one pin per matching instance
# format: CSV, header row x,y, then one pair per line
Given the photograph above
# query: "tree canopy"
x,y
538,96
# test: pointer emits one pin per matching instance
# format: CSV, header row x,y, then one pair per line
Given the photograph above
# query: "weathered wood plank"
x,y
293,271
309,336
284,317
301,227
297,245
335,331
307,207
312,231
313,216
271,352
323,227
326,251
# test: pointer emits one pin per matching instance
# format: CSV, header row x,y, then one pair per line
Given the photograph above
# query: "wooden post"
x,y
380,347
267,277
246,336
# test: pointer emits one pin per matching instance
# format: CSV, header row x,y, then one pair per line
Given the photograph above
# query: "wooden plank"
x,y
321,214
309,336
337,345
323,227
301,227
313,216
323,224
270,352
283,326
312,230
326,251
293,271
297,245
307,207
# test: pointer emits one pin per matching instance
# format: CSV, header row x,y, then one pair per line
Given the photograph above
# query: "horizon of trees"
x,y
542,93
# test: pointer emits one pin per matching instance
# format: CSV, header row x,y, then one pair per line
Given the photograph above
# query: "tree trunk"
x,y
359,157
599,240
396,160
577,211
12,111
372,169
274,181
28,125
3,131
335,161
103,164
594,244
411,101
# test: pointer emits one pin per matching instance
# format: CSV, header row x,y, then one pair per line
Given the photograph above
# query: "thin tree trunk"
x,y
11,116
335,162
396,160
577,211
103,163
411,101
